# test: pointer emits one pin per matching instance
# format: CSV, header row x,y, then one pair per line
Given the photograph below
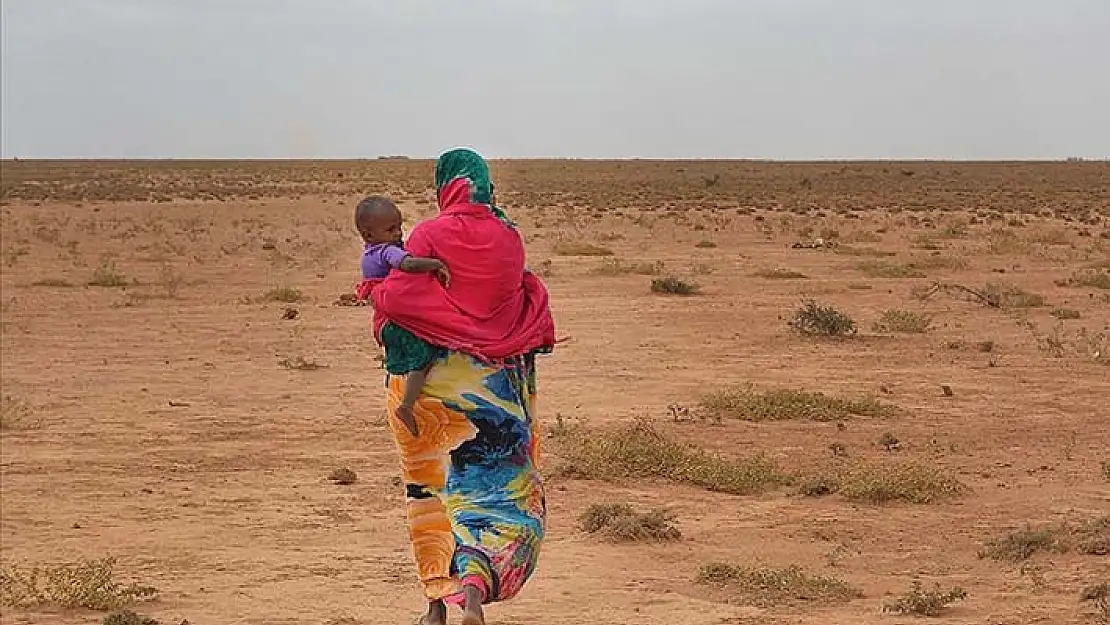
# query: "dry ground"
x,y
152,419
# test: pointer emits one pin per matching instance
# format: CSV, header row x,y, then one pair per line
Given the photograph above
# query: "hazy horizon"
x,y
765,80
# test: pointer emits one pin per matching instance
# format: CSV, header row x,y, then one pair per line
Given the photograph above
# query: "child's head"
x,y
378,220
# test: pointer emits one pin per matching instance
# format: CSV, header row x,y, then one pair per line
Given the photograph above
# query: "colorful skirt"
x,y
476,509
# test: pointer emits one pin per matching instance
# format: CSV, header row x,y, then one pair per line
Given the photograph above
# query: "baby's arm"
x,y
416,264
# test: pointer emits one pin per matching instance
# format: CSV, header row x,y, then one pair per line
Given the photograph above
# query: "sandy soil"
x,y
155,423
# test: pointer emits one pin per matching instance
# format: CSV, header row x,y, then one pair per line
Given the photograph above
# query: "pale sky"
x,y
776,79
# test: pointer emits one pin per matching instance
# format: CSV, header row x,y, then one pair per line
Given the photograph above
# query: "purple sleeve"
x,y
393,255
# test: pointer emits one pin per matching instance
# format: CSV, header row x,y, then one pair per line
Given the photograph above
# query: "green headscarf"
x,y
468,164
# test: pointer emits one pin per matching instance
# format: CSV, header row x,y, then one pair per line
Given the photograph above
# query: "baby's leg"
x,y
414,385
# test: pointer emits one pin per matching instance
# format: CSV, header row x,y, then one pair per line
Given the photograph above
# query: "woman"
x,y
476,508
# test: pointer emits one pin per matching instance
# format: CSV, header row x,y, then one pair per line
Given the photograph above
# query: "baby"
x,y
379,222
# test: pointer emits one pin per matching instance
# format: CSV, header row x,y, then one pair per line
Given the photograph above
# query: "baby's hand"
x,y
443,274
406,416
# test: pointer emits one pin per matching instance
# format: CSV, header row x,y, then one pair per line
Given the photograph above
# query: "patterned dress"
x,y
476,508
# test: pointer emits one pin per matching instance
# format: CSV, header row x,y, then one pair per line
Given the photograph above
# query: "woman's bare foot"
x,y
472,609
437,614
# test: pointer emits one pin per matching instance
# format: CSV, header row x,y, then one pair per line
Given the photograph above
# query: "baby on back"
x,y
379,222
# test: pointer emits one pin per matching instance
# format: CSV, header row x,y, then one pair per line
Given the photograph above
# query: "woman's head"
x,y
462,177
459,165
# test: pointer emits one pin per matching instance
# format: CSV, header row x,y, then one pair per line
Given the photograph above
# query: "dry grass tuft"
x,y
814,320
903,482
128,617
617,267
705,245
903,321
622,523
14,414
780,274
1098,595
639,451
674,286
580,248
1004,295
53,283
283,294
768,587
1088,278
884,269
747,404
1091,537
1065,314
108,276
920,602
89,585
300,363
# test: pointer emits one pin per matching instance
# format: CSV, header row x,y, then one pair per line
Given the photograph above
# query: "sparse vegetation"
x,y
1098,595
705,245
920,602
780,274
283,294
89,584
641,451
814,320
1088,278
1003,295
884,269
128,617
300,363
901,482
14,414
53,283
108,276
903,321
748,404
343,476
617,267
674,286
622,523
1090,537
580,248
768,587
1065,314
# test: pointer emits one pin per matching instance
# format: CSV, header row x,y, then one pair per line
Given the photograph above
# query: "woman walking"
x,y
476,508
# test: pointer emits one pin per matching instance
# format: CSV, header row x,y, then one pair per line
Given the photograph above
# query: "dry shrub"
x,y
705,245
639,451
128,617
938,261
849,250
903,321
622,523
580,248
300,363
884,269
814,320
1065,314
1106,470
108,276
674,286
778,405
617,267
1088,278
1090,537
780,274
903,482
89,584
768,587
1098,595
283,294
53,283
1005,295
14,414
920,602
